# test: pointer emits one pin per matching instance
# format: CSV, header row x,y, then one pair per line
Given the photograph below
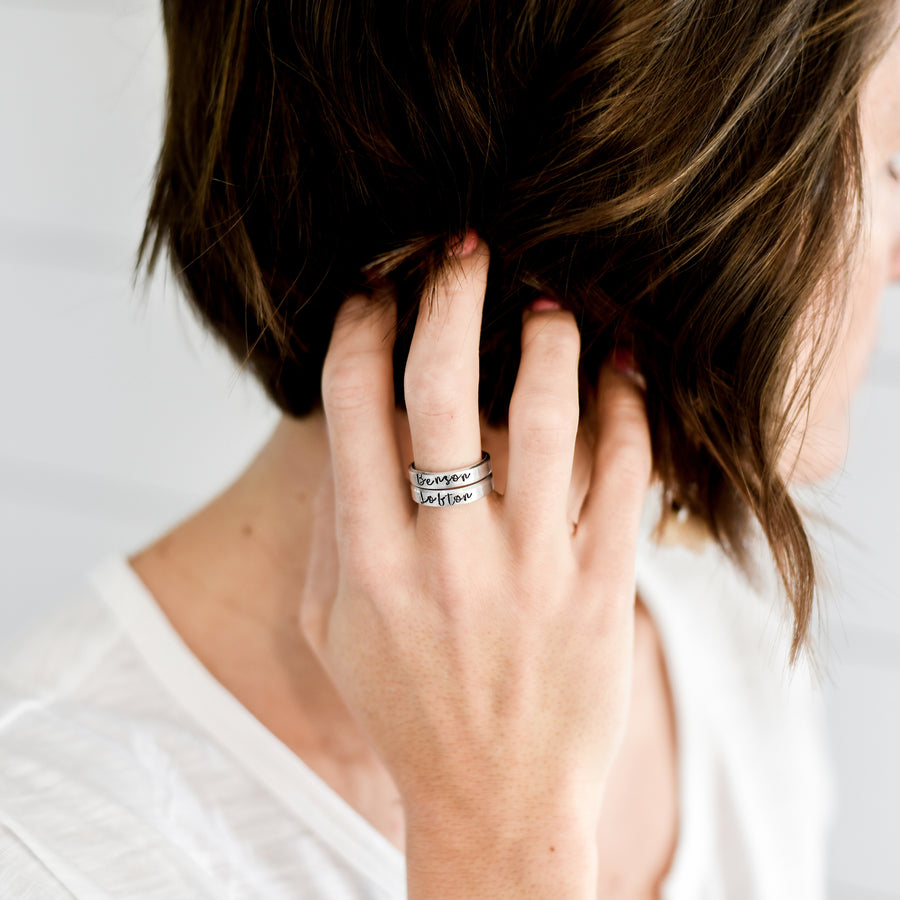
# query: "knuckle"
x,y
544,409
544,441
347,385
545,428
367,570
445,586
433,391
628,455
558,329
625,417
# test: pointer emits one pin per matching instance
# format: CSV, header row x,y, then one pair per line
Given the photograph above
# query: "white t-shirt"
x,y
128,771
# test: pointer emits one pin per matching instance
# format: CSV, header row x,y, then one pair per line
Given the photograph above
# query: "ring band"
x,y
452,496
439,481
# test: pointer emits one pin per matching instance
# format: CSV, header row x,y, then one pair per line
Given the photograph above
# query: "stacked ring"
x,y
439,488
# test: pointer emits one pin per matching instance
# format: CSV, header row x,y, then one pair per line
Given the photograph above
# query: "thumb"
x,y
322,570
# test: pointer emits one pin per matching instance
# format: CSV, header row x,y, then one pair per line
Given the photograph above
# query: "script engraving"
x,y
449,498
426,481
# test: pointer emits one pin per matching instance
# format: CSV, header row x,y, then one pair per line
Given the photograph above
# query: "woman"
x,y
650,239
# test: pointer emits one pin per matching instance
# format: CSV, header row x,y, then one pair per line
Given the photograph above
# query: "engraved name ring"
x,y
454,487
453,478
453,496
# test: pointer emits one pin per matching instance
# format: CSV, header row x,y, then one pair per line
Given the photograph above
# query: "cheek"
x,y
894,249
816,452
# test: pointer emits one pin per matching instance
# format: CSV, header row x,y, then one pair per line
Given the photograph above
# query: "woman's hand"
x,y
484,649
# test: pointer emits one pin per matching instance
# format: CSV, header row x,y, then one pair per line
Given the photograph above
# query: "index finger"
x,y
371,491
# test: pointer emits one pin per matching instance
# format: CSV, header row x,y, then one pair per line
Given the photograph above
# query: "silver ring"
x,y
453,496
439,481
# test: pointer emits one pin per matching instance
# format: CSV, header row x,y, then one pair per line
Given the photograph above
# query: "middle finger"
x,y
543,427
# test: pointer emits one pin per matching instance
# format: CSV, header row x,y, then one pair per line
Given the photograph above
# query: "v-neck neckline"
x,y
285,775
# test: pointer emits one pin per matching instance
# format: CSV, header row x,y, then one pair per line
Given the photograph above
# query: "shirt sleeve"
x,y
23,876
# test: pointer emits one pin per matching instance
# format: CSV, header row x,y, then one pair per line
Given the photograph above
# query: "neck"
x,y
248,548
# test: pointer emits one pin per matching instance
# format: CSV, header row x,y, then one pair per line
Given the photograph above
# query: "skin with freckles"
x,y
229,578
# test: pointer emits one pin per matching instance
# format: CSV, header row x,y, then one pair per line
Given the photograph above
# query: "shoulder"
x,y
88,743
767,783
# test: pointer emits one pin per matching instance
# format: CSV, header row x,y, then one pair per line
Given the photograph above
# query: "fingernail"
x,y
623,361
536,306
466,245
544,303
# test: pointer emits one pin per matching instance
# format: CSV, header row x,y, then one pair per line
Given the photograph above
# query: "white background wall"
x,y
118,415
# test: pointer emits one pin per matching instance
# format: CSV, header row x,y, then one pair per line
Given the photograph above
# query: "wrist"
x,y
541,854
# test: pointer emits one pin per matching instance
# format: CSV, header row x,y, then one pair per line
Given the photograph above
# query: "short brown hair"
x,y
679,174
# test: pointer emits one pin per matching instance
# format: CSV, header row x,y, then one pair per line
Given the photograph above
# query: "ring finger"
x,y
441,378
